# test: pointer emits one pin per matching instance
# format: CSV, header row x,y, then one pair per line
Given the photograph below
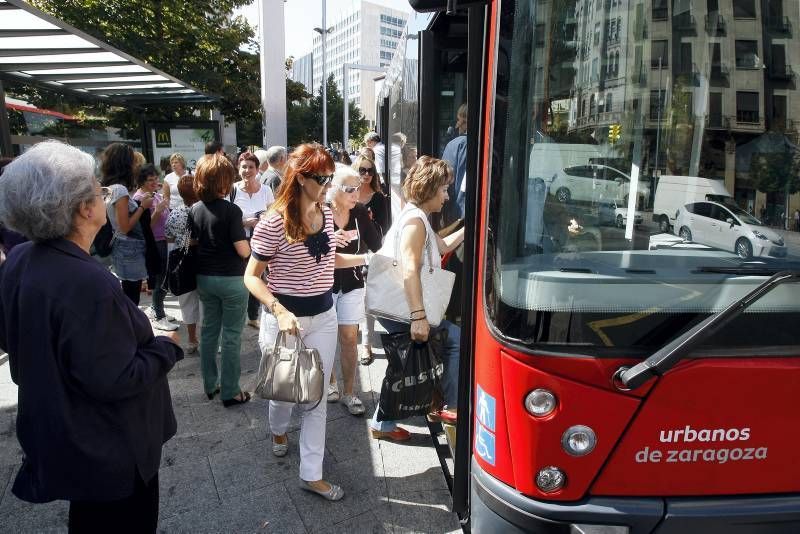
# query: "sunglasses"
x,y
365,170
349,188
321,179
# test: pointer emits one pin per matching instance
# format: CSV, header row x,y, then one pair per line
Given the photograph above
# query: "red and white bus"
x,y
619,374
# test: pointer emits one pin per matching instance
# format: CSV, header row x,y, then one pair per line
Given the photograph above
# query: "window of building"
x,y
686,58
609,102
597,33
746,54
715,109
659,51
656,104
746,106
660,10
386,55
744,9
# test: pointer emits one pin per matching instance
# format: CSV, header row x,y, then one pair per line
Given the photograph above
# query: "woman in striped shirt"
x,y
296,240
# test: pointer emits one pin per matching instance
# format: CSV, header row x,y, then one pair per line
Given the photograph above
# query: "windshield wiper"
x,y
754,270
670,354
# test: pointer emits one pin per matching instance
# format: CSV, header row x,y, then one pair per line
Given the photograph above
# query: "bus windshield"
x,y
625,136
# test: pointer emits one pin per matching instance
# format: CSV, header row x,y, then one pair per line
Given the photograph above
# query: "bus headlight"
x,y
578,440
540,402
550,479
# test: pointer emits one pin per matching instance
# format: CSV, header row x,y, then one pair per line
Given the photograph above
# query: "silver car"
x,y
728,227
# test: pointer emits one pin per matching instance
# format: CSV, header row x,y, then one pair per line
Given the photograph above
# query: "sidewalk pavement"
x,y
218,473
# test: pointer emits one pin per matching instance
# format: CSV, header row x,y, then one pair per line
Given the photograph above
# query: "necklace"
x,y
312,224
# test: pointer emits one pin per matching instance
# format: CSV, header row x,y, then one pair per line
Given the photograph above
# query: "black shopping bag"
x,y
415,369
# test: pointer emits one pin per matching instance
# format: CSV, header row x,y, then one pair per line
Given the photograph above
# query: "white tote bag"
x,y
386,295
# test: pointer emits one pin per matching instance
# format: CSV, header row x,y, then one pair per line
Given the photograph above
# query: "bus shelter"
x,y
39,50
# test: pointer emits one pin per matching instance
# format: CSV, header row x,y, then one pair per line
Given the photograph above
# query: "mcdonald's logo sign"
x,y
163,138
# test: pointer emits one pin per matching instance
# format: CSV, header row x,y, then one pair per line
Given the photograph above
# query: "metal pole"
x,y
658,121
346,106
6,148
324,80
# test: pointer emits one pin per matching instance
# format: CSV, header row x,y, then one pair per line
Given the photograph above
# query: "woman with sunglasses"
x,y
297,241
354,227
372,198
370,194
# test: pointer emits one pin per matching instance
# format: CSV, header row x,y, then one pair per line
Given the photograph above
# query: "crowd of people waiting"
x,y
282,242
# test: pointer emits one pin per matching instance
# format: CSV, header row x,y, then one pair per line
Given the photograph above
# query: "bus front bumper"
x,y
496,507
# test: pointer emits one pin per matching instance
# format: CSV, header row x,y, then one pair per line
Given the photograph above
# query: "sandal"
x,y
334,494
367,357
245,397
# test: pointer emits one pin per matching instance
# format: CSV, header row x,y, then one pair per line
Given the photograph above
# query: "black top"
x,y
350,278
217,225
377,205
94,403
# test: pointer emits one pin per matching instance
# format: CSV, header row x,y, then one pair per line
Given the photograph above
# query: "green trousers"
x,y
224,301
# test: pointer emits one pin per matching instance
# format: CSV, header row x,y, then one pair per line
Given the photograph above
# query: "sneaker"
x,y
354,404
164,324
333,392
151,314
254,323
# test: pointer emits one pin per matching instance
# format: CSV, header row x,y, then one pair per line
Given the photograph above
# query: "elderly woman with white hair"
x,y
94,403
357,233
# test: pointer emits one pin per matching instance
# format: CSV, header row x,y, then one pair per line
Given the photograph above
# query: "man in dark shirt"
x,y
455,153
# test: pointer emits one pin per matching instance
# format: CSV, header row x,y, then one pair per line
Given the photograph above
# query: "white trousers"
x,y
320,332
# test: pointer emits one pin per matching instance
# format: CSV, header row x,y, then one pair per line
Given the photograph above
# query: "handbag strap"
x,y
428,230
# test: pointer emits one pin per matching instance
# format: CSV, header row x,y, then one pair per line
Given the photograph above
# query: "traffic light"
x,y
614,132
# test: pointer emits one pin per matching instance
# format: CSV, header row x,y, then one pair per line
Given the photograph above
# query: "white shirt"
x,y
175,200
252,204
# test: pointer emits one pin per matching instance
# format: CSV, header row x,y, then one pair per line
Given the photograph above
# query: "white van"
x,y
548,159
674,192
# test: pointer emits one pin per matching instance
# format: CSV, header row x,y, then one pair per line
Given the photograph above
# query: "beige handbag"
x,y
290,374
386,296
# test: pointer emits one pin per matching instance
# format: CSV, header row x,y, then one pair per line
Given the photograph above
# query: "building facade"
x,y
303,71
369,36
708,86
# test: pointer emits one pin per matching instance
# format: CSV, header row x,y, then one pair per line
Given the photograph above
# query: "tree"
x,y
196,41
357,123
776,171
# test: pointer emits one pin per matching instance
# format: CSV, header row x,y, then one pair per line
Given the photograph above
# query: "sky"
x,y
301,16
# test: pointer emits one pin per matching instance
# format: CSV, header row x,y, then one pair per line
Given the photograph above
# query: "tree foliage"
x,y
197,41
304,115
776,171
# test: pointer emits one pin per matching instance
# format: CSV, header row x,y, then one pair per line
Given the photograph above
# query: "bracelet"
x,y
271,305
417,311
423,318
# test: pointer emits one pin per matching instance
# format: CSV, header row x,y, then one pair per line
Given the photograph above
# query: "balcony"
x,y
715,24
639,76
719,74
779,24
684,22
781,72
718,122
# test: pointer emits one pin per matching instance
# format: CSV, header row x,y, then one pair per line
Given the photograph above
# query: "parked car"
x,y
590,183
728,227
673,192
616,213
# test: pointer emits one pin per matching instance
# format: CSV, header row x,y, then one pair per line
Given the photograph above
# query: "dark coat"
x,y
94,403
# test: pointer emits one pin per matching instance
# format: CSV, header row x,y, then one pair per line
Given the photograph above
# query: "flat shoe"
x,y
398,434
280,449
333,393
234,401
367,357
334,494
449,417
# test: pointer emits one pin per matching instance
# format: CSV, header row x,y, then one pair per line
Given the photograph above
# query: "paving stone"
x,y
364,490
426,511
264,510
253,466
192,448
184,487
365,523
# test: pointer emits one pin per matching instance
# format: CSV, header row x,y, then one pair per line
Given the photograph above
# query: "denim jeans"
x,y
224,300
452,349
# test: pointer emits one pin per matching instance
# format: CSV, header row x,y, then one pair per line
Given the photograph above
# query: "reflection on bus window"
x,y
638,148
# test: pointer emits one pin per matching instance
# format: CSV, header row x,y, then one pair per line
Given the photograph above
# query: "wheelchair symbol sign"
x,y
484,444
486,409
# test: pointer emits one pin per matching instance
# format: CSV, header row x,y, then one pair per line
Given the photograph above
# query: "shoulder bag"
x,y
290,374
386,296
182,267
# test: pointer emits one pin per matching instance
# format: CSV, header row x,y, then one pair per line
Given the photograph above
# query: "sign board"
x,y
187,139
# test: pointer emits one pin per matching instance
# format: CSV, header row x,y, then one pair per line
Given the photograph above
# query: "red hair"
x,y
305,160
